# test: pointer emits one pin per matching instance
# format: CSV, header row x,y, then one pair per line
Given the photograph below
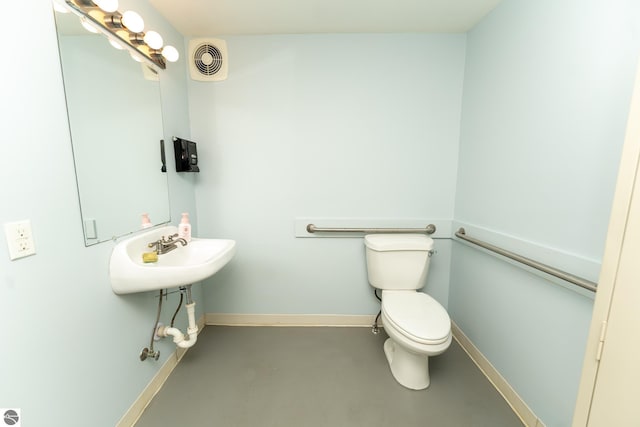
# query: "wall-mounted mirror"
x,y
115,120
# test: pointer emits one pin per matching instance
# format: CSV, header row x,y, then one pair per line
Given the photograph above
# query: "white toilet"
x,y
417,325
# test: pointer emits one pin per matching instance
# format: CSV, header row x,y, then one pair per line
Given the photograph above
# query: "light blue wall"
x,y
546,94
69,345
334,126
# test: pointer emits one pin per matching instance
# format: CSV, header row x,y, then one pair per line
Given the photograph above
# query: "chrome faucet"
x,y
167,244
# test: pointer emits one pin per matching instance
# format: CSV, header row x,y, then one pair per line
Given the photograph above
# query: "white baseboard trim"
x,y
137,408
337,320
513,399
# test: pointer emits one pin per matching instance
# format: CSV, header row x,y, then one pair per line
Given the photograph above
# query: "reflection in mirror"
x,y
115,120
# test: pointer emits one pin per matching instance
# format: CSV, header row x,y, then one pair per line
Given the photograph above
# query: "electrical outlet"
x,y
19,239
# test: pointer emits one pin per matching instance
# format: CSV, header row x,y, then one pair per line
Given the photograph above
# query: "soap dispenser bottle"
x,y
146,222
184,228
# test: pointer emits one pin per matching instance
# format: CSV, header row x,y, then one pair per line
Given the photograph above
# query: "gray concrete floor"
x,y
306,377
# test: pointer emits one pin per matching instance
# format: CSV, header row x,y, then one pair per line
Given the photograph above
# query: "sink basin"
x,y
186,265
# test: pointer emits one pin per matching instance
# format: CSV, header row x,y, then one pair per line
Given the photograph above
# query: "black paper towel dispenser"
x,y
186,155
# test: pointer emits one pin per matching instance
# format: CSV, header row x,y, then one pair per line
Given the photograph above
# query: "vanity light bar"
x,y
126,29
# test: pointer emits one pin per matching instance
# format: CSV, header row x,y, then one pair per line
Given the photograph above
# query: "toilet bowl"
x,y
417,325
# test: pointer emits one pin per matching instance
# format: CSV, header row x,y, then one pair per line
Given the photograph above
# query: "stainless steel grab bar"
x,y
429,229
583,283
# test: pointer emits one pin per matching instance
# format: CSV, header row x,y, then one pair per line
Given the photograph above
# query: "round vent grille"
x,y
208,59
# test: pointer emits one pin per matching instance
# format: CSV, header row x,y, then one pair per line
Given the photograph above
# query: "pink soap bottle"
x,y
184,228
146,222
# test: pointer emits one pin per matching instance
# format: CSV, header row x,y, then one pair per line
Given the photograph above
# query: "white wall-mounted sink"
x,y
186,265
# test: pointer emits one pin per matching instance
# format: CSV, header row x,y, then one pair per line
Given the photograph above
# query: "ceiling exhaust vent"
x,y
208,60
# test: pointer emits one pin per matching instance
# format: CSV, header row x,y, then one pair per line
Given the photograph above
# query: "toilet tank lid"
x,y
398,242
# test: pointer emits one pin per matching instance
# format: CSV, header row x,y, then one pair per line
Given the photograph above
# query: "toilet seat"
x,y
417,316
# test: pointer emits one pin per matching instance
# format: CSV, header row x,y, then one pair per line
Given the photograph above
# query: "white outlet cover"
x,y
19,239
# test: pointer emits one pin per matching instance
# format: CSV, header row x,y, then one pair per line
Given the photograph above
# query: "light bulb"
x,y
170,53
153,39
133,21
108,6
116,44
59,6
89,26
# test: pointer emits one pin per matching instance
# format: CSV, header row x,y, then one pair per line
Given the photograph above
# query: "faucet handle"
x,y
168,239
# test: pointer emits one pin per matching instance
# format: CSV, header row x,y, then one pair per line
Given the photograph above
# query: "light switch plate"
x,y
19,239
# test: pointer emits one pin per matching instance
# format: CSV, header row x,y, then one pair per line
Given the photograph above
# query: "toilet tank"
x,y
397,261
